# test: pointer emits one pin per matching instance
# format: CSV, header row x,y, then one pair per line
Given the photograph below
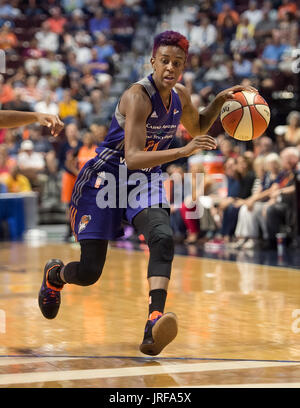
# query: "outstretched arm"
x,y
200,123
137,107
12,119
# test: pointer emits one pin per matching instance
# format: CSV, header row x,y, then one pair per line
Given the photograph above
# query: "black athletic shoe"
x,y
160,330
49,295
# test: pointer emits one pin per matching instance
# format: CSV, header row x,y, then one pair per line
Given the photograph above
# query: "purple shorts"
x,y
105,194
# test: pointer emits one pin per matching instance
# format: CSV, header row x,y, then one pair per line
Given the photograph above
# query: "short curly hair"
x,y
170,38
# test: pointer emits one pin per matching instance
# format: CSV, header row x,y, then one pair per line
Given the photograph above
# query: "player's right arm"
x,y
12,119
135,105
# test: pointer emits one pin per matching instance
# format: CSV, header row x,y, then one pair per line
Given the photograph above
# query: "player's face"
x,y
168,65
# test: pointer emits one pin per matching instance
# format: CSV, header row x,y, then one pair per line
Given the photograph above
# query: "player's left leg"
x,y
161,328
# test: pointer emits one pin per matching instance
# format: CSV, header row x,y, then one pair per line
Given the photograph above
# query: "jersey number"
x,y
151,146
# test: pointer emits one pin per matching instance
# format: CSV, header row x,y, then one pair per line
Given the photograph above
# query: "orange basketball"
x,y
245,117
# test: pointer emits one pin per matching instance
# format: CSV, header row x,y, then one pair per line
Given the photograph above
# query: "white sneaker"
x,y
249,244
238,244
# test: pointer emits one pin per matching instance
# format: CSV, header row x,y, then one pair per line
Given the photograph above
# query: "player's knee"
x,y
161,243
89,274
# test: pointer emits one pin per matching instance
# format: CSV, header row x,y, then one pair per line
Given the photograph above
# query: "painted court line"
x,y
27,360
25,378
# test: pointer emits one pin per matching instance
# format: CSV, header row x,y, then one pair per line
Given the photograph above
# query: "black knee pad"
x,y
161,243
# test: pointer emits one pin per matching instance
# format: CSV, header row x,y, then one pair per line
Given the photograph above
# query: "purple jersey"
x,y
161,126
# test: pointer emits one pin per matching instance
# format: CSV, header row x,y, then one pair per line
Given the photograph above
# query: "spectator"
x,y
244,29
6,92
87,151
287,6
56,22
31,93
253,14
7,10
279,210
82,50
269,23
52,65
70,6
32,165
99,132
263,146
68,108
47,40
104,49
242,67
122,29
6,161
16,182
47,105
273,51
227,33
227,11
203,36
99,23
17,103
292,132
113,5
77,22
32,55
8,40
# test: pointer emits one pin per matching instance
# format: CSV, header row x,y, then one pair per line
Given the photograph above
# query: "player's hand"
x,y
52,122
203,142
227,94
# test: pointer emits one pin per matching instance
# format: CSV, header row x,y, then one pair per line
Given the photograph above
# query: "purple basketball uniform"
x,y
106,192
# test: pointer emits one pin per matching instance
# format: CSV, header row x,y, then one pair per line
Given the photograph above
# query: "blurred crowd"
x,y
75,58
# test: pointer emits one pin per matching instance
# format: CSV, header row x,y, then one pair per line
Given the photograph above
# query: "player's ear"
x,y
152,61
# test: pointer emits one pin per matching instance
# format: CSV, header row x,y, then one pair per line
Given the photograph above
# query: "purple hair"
x,y
171,38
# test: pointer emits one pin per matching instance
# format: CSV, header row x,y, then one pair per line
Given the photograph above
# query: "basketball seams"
x,y
260,113
223,115
238,123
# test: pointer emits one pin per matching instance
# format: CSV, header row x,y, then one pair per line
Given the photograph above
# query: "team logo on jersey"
x,y
154,115
100,178
85,219
175,111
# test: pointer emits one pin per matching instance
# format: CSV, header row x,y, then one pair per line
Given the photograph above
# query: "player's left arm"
x,y
200,123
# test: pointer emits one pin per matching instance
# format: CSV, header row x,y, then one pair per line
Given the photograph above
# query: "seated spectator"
x,y
227,10
122,29
47,105
12,142
203,36
253,14
242,67
227,33
263,146
245,45
7,94
50,64
99,68
68,108
244,29
71,5
99,23
82,49
232,205
104,49
77,22
287,6
31,94
112,5
279,210
8,39
56,22
270,23
32,55
42,145
8,11
46,39
273,51
87,151
289,28
99,132
16,182
31,164
251,220
6,161
292,131
227,149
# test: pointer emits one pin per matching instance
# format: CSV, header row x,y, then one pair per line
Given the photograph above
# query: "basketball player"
x,y
12,119
145,120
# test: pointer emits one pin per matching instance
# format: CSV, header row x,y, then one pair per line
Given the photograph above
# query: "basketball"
x,y
245,117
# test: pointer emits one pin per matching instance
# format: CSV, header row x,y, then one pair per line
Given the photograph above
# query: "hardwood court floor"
x,y
237,324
